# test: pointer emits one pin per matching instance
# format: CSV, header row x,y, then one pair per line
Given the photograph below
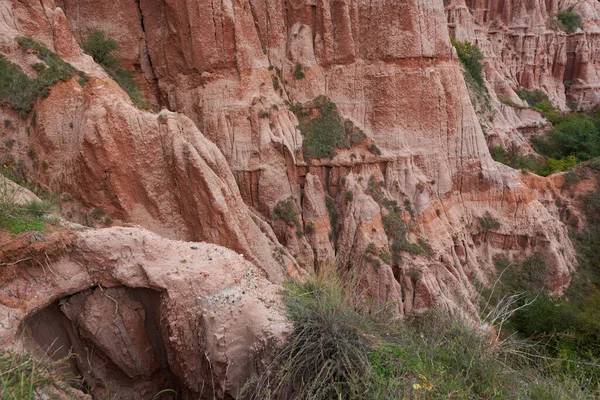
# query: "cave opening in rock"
x,y
112,340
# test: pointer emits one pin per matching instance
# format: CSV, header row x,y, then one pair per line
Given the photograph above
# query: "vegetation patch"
x,y
533,97
336,351
470,57
20,91
569,21
530,162
568,329
488,223
324,130
101,48
15,218
286,210
16,224
299,72
393,224
324,133
574,134
574,137
23,377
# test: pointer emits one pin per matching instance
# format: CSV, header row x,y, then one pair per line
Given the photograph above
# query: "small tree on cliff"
x,y
99,47
470,57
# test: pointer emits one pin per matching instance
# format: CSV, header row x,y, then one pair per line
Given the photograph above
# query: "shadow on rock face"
x,y
114,337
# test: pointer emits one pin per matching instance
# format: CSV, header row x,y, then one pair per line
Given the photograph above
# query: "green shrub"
x,y
337,352
323,134
532,163
569,20
309,228
489,223
357,137
516,277
326,132
348,196
553,165
98,213
587,243
572,331
533,97
385,257
374,149
470,57
396,232
38,208
18,90
518,161
371,248
126,79
539,101
574,134
286,210
326,352
298,72
100,48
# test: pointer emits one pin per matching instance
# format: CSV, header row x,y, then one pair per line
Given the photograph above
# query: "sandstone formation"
x,y
525,48
224,162
142,313
407,95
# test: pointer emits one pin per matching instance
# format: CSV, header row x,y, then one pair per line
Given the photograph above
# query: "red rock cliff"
x,y
390,69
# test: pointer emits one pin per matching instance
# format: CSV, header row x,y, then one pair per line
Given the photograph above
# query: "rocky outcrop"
x,y
525,48
233,69
158,171
141,313
415,208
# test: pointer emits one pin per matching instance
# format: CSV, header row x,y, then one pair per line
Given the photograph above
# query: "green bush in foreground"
x,y
337,352
100,48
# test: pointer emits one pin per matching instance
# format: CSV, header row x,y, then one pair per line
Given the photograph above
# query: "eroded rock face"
x,y
390,69
525,48
142,313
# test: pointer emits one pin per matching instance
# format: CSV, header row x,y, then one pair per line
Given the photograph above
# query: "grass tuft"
x,y
16,218
100,48
23,377
20,91
336,351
